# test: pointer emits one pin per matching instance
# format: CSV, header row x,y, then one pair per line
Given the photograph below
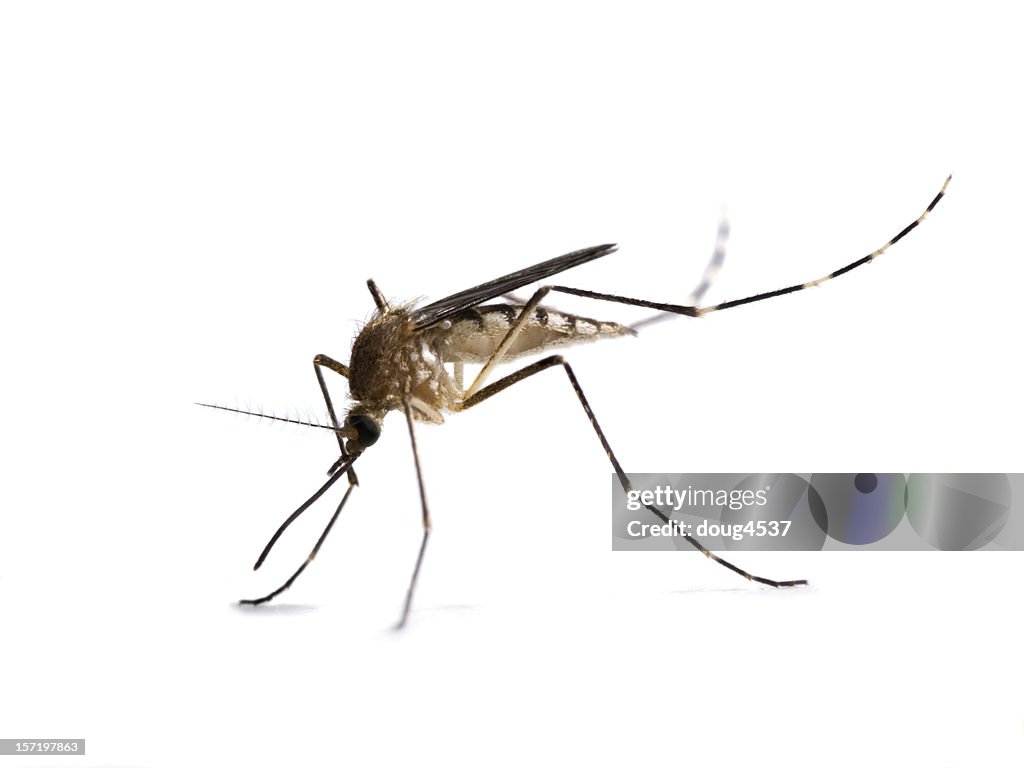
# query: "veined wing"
x,y
432,314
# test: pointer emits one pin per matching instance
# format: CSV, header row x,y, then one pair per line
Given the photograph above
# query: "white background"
x,y
192,196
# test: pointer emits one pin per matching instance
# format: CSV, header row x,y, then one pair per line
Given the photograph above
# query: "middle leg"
x,y
556,360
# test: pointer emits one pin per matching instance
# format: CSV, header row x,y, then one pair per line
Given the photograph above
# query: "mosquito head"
x,y
361,430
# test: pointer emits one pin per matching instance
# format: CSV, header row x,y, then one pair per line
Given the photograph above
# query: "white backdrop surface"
x,y
192,196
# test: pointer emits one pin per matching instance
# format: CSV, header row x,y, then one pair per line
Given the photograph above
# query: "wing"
x,y
432,314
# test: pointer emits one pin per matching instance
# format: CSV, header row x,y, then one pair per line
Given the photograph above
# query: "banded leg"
x,y
711,271
342,469
681,309
550,362
693,311
407,407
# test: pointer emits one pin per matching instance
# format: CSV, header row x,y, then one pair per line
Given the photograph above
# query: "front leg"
x,y
323,361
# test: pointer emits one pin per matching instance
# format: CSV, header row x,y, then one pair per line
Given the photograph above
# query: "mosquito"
x,y
399,362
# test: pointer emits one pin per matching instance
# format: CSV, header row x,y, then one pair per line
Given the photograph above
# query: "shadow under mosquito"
x,y
460,607
451,609
705,590
743,589
273,609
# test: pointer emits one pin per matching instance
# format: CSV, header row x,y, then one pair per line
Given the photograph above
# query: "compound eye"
x,y
367,430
